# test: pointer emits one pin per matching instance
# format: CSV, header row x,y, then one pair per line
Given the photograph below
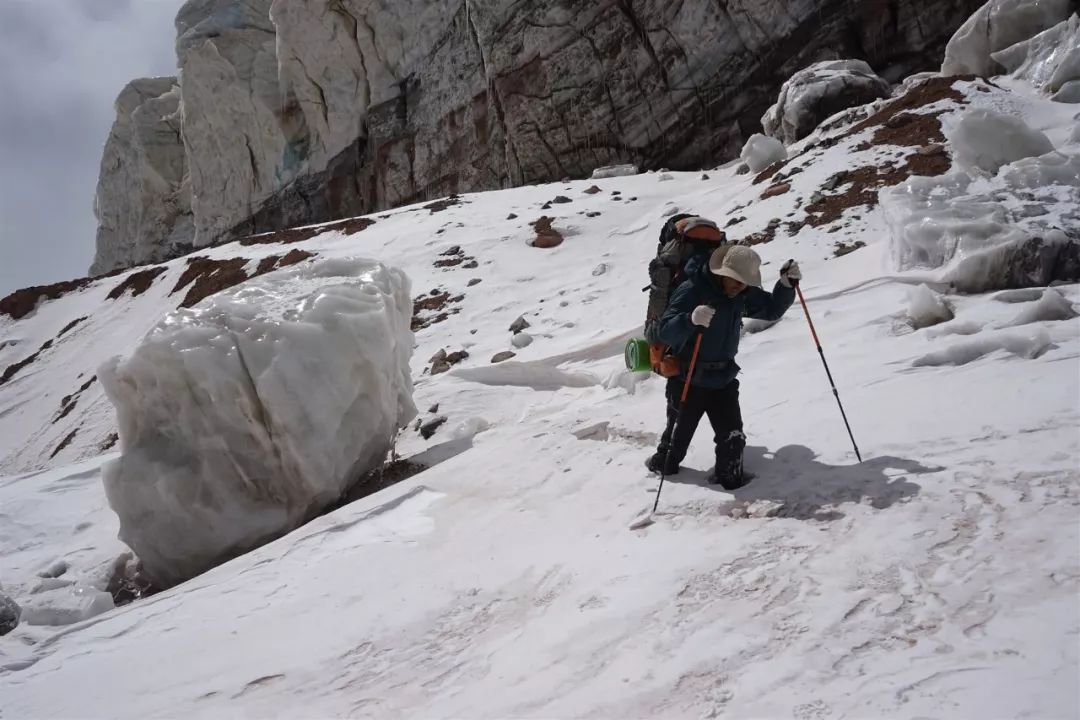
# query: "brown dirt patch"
x,y
138,282
763,236
70,325
433,308
768,172
67,404
925,93
443,204
21,303
213,276
295,235
11,370
862,190
546,236
64,443
209,277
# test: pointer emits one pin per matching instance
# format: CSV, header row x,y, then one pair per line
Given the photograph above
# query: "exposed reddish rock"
x,y
137,282
774,190
546,236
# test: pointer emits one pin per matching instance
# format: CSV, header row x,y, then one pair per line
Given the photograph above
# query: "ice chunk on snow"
x,y
926,308
1052,306
1025,346
65,606
987,140
244,416
469,428
995,26
610,171
982,233
817,92
1048,60
760,152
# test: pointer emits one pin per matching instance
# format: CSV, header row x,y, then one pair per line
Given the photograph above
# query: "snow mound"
x,y
1051,307
817,92
65,605
610,171
532,375
1049,60
926,308
1025,346
995,26
986,140
760,152
957,327
246,415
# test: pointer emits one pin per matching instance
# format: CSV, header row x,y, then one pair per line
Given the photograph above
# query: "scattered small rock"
x,y
705,176
433,409
560,199
834,181
594,213
474,281
546,235
10,612
518,325
511,216
735,221
600,269
743,169
521,339
501,356
841,249
428,428
452,250
546,206
471,265
591,190
774,190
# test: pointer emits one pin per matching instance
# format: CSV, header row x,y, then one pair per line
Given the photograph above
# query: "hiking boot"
x,y
727,480
655,463
728,472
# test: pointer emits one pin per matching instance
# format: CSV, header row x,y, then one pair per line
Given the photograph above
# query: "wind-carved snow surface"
x,y
245,415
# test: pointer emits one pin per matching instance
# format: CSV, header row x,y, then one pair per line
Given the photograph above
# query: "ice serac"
x,y
143,204
246,415
244,136
817,92
995,26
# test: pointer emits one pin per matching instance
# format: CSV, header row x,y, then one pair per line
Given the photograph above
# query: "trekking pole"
x,y
648,519
832,384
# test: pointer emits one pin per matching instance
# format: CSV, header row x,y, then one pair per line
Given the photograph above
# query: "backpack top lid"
x,y
698,229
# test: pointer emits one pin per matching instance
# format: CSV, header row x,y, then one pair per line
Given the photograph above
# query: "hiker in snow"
x,y
712,301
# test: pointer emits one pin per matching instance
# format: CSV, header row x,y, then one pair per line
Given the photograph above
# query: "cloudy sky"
x,y
62,64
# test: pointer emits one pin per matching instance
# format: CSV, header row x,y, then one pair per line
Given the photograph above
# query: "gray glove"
x,y
790,275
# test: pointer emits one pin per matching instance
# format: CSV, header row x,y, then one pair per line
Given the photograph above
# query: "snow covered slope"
x,y
937,578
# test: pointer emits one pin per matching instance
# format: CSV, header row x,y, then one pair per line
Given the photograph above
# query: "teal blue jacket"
x,y
716,366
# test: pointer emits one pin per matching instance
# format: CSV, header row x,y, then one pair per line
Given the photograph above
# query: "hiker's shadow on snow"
x,y
791,483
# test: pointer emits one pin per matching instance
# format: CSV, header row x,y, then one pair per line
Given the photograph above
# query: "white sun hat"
x,y
737,262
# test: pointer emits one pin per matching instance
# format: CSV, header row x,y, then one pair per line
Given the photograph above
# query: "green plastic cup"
x,y
636,355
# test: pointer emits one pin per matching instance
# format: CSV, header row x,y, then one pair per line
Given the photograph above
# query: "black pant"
x,y
722,407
